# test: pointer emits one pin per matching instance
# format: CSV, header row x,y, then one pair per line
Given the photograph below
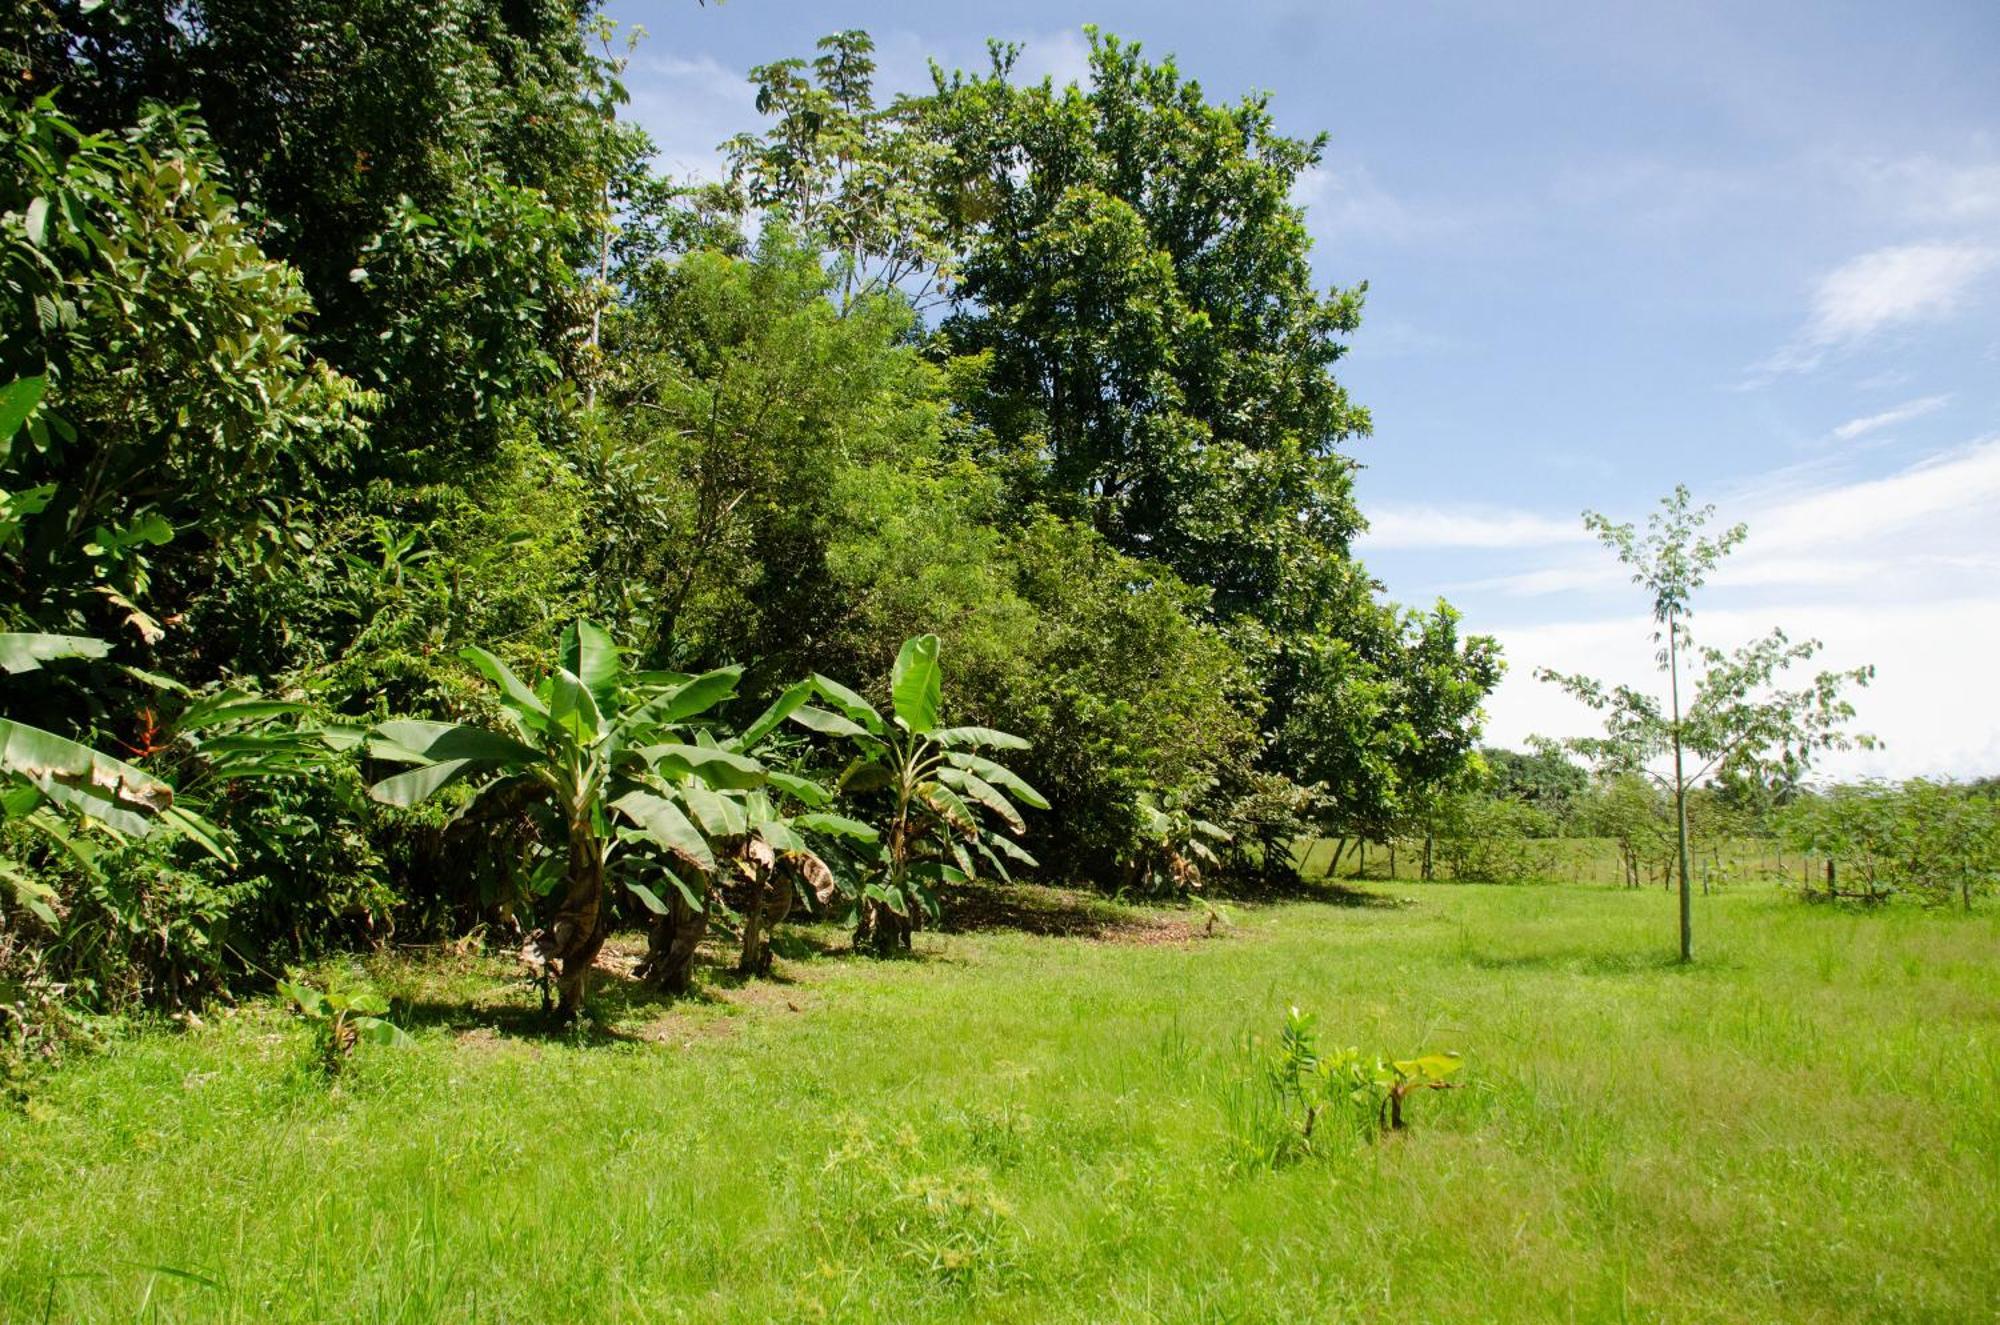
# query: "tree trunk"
x,y
770,902
672,942
1430,855
882,929
576,934
1680,795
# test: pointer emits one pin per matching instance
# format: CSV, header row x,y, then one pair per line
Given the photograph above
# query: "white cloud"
x,y
1952,493
1063,56
1901,571
1878,291
1345,201
1929,703
689,106
1927,529
1892,286
1889,418
1393,525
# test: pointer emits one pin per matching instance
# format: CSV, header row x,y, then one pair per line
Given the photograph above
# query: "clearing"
x,y
1036,1126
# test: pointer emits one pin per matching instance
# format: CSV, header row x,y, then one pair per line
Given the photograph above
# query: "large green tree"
x,y
436,173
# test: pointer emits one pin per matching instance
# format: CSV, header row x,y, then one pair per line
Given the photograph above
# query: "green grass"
x,y
1805,1126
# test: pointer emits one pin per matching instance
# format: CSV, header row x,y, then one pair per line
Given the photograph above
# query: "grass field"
x,y
1026,1127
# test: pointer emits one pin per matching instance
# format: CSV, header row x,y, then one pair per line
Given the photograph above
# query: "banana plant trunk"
x,y
577,932
672,942
770,903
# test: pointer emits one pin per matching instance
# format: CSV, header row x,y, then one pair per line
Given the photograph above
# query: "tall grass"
x,y
1804,1126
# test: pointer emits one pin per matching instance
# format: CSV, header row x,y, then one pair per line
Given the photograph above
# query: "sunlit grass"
x,y
1805,1126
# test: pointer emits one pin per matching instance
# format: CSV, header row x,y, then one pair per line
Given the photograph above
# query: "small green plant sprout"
x,y
342,1015
1367,1091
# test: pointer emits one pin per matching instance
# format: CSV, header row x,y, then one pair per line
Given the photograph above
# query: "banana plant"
x,y
618,758
1173,847
762,841
939,790
48,783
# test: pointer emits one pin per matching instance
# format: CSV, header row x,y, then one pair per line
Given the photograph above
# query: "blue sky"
x,y
1609,247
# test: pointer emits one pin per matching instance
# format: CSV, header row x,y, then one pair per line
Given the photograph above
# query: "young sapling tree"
x,y
1722,711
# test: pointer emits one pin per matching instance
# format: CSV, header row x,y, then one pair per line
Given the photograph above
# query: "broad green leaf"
x,y
421,783
856,708
408,740
687,894
646,895
179,819
783,707
368,1001
976,788
718,816
572,708
999,775
1430,1067
948,804
30,892
81,779
702,694
662,821
999,866
587,653
888,897
712,764
1009,849
523,702
17,401
976,738
780,836
837,825
377,1031
829,724
915,684
38,816
307,999
804,790
25,653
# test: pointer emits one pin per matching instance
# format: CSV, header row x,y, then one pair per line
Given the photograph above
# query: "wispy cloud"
x,y
1954,491
1878,291
1933,190
1923,530
689,106
1391,525
1345,200
1889,418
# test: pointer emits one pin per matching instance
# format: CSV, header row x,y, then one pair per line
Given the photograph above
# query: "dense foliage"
x,y
352,352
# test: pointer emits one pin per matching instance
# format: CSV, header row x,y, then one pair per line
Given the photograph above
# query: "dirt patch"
x,y
1070,913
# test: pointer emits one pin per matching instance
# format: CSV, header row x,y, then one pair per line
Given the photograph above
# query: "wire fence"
x,y
1731,862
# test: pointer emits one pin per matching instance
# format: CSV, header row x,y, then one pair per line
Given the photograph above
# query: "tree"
x,y
848,174
1738,717
435,174
936,791
1157,360
600,743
